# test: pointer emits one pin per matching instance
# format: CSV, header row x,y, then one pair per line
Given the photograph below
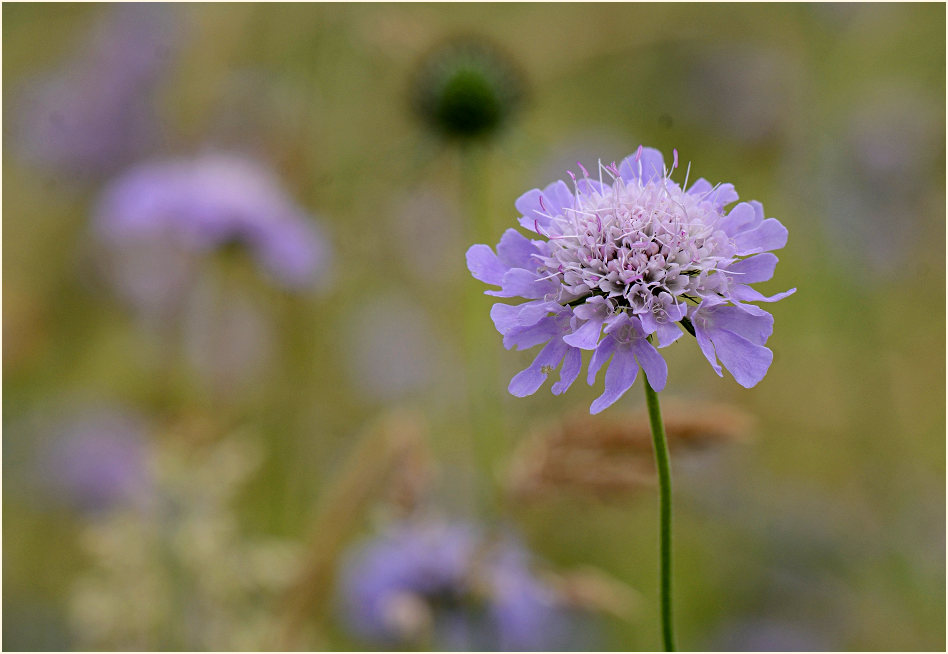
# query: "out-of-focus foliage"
x,y
193,475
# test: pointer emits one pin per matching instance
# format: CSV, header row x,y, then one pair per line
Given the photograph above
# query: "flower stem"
x,y
665,511
485,419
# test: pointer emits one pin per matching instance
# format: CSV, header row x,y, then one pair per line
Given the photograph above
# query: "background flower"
x,y
98,112
95,459
210,202
446,585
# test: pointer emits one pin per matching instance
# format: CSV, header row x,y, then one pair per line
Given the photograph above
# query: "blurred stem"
x,y
665,511
480,363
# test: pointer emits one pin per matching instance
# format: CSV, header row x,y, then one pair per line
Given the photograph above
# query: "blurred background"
x,y
253,400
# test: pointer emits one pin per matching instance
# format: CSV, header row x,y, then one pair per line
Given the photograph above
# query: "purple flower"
x,y
390,585
446,582
98,112
620,265
96,459
211,201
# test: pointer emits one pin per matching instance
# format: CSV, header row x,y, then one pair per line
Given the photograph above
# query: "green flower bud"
x,y
466,90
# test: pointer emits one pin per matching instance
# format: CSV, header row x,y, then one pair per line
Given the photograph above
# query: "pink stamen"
x,y
675,155
638,154
582,168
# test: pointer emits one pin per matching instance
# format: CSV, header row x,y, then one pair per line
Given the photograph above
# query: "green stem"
x,y
665,510
485,423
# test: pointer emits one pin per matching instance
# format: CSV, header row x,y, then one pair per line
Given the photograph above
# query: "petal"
x,y
649,166
536,218
595,307
570,370
756,326
656,370
620,320
527,381
758,268
722,195
524,338
677,311
769,235
599,357
558,198
668,333
538,208
518,282
623,369
649,323
586,337
707,349
740,219
700,187
746,361
507,317
528,204
517,251
748,294
484,265
719,196
589,186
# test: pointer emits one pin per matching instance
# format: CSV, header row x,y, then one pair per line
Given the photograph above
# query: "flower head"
x,y
466,90
98,112
448,583
95,459
623,262
208,203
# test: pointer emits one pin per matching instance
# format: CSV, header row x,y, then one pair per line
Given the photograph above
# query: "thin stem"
x,y
485,423
665,511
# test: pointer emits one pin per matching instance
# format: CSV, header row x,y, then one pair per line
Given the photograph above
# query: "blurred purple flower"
x,y
95,459
428,563
97,113
526,613
446,582
209,202
617,268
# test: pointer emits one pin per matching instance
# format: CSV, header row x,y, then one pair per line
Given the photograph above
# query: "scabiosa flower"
x,y
625,261
210,202
390,585
96,459
98,112
466,89
448,583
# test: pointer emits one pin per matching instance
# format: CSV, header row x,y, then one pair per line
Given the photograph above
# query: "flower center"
x,y
642,246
